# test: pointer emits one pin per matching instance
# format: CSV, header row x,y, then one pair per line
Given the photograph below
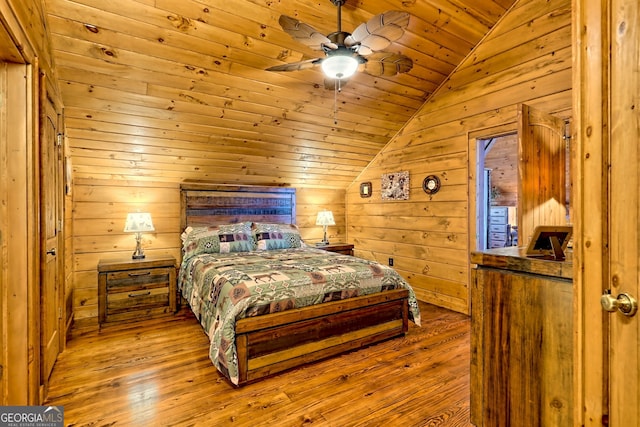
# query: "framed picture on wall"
x,y
395,186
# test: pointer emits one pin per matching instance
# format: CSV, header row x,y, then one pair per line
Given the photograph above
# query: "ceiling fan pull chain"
x,y
337,87
335,103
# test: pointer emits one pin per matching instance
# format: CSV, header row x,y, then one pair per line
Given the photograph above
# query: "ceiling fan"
x,y
344,52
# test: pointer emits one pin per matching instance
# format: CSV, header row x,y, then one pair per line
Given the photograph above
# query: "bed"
x,y
269,302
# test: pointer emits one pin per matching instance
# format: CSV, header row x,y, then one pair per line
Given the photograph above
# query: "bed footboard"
x,y
280,341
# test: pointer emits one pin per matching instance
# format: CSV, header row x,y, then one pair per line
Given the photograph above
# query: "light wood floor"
x,y
157,373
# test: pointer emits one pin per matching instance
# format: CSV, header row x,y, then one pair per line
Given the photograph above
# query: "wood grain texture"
x,y
502,159
525,58
621,211
158,372
167,77
158,94
541,170
521,346
210,204
132,289
16,160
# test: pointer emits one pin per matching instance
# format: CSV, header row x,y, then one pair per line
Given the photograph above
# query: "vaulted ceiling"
x,y
174,90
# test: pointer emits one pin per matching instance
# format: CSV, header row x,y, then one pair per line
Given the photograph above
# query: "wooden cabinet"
x,y
136,289
521,341
341,248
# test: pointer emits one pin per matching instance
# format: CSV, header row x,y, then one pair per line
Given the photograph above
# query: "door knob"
x,y
624,303
51,251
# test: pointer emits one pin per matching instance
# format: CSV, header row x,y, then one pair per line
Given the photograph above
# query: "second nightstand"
x,y
341,248
136,289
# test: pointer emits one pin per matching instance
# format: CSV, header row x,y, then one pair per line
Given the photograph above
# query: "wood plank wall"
x,y
502,159
19,238
68,239
101,206
17,242
526,59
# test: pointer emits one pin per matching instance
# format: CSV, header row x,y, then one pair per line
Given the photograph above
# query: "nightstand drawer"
x,y
141,299
137,279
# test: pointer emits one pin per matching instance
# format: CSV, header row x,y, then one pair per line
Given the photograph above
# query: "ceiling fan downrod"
x,y
338,38
339,4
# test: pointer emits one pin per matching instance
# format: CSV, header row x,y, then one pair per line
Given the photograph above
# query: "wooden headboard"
x,y
215,204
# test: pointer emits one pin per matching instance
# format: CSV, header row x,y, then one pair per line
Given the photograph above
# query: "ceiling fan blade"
x,y
296,66
304,33
387,64
378,32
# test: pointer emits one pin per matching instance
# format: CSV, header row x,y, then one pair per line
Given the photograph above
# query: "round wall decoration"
x,y
431,184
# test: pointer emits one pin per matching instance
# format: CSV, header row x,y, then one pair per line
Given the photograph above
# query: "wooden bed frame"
x,y
276,342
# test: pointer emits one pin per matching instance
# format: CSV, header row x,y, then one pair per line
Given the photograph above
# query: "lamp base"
x,y
324,241
138,253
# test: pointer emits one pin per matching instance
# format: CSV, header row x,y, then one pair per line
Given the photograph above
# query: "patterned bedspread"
x,y
222,288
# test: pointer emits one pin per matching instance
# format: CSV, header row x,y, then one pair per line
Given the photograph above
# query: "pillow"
x,y
217,239
236,238
276,236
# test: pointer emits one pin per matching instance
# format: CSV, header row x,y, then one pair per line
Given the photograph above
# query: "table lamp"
x,y
137,223
325,218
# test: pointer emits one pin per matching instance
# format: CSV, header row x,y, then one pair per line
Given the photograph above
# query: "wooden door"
x,y
4,226
541,172
606,99
624,212
50,192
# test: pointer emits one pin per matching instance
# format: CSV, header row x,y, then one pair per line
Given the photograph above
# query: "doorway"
x,y
498,191
537,155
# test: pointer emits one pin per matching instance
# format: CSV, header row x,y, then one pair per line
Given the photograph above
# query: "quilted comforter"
x,y
222,288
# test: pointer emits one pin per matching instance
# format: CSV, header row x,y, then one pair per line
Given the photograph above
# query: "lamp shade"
x,y
325,218
138,222
339,66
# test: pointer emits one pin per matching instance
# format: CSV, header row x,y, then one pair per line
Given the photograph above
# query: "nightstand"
x,y
341,248
136,289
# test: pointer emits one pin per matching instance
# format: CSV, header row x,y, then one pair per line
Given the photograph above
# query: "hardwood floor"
x,y
158,373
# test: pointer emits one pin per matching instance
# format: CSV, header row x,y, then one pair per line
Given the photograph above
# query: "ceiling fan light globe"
x,y
339,66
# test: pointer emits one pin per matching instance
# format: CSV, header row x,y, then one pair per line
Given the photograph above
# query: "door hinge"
x,y
59,312
60,139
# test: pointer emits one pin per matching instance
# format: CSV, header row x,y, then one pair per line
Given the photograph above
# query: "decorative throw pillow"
x,y
276,236
217,239
236,238
199,240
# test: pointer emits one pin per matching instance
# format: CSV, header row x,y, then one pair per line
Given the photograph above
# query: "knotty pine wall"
x,y
502,159
101,206
525,59
23,40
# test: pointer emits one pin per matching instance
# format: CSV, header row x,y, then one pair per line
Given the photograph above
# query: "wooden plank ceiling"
x,y
174,90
